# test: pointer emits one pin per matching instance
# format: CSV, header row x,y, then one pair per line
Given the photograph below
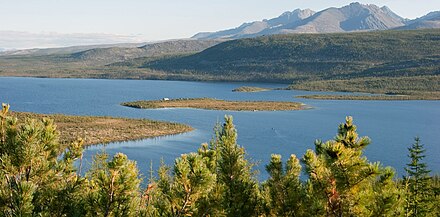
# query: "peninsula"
x,y
100,130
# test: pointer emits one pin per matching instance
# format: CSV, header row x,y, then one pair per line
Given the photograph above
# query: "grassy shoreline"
x,y
100,130
249,89
216,104
366,97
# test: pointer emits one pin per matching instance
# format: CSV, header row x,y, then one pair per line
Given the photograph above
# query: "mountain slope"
x,y
249,29
429,21
353,17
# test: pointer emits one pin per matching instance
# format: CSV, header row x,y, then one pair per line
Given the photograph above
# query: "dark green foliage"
x,y
33,180
325,56
113,187
185,192
240,189
418,181
284,189
343,183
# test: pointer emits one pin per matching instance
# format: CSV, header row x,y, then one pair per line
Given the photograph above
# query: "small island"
x,y
249,89
216,104
101,130
366,97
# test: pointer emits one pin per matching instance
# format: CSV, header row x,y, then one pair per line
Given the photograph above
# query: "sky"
x,y
153,20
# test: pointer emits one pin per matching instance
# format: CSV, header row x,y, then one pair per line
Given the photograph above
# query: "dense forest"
x,y
38,178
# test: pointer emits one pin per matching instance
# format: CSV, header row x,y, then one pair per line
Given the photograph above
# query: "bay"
x,y
391,125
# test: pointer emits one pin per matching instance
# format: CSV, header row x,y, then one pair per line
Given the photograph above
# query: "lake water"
x,y
391,125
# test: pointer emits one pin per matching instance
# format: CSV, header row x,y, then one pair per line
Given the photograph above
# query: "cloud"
x,y
25,40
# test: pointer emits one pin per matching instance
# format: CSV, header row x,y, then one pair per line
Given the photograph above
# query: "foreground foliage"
x,y
38,178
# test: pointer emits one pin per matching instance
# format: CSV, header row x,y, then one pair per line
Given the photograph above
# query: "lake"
x,y
391,125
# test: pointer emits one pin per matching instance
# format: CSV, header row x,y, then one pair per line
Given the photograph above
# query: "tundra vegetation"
x,y
38,178
99,130
216,104
249,89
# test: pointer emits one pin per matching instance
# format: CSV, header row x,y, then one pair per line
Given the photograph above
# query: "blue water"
x,y
391,125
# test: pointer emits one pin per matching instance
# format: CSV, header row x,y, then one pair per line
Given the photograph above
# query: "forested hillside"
x,y
285,58
302,58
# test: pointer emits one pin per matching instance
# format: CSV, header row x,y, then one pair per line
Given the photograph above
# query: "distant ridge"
x,y
350,18
431,20
116,54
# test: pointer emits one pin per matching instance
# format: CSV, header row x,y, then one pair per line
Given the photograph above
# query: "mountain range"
x,y
350,18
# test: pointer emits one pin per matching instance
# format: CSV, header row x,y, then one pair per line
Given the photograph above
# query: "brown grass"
x,y
249,89
98,130
216,104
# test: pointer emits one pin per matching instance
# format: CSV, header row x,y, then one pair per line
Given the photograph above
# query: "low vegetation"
x,y
363,97
98,130
38,178
216,104
418,88
249,89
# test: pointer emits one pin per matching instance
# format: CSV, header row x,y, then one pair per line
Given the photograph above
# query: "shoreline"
x,y
216,104
96,130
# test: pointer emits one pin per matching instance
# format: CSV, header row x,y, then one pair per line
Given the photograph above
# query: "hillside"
x,y
429,21
284,58
101,62
118,54
300,58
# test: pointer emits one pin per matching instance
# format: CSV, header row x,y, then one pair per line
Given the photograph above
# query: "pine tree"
x,y
181,193
33,180
284,187
241,196
113,187
418,179
341,181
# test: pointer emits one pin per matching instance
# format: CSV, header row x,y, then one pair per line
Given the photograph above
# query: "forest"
x,y
38,177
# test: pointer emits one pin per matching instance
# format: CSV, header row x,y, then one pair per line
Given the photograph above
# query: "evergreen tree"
x,y
284,187
113,187
341,181
181,193
241,196
418,180
33,180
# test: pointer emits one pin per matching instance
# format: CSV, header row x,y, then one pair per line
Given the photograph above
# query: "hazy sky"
x,y
165,19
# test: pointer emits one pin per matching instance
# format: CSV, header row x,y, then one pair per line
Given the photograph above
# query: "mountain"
x,y
431,20
353,17
249,29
